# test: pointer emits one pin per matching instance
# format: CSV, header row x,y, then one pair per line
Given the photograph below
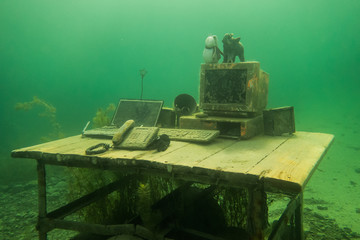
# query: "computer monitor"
x,y
143,112
233,88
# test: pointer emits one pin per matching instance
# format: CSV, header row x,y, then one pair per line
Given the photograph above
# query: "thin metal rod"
x,y
142,86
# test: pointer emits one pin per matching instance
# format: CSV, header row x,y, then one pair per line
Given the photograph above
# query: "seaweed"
x,y
133,198
103,116
118,206
48,112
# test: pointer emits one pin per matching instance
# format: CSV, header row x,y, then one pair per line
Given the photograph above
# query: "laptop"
x,y
145,113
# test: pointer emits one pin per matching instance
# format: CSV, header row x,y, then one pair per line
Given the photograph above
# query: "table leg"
x,y
41,200
258,212
299,229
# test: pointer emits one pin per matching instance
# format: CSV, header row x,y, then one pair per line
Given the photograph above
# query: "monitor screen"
x,y
224,86
143,112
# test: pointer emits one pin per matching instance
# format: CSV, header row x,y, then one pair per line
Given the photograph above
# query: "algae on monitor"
x,y
103,116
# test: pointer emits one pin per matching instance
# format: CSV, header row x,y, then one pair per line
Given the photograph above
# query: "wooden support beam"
x,y
280,227
41,200
200,234
107,230
299,228
100,229
85,200
257,212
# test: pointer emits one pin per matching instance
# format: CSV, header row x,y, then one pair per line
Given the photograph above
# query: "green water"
x,y
82,55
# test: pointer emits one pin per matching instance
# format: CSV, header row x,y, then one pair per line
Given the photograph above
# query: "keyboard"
x,y
190,135
187,135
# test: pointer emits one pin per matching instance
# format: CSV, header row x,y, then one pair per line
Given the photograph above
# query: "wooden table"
x,y
261,164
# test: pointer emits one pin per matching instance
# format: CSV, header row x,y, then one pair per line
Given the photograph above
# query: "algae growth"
x,y
103,116
48,112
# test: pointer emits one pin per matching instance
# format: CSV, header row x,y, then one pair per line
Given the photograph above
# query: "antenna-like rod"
x,y
143,72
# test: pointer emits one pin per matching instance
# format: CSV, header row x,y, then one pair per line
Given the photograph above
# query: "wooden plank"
x,y
52,144
182,163
77,145
242,155
291,165
114,158
74,146
59,146
144,154
190,154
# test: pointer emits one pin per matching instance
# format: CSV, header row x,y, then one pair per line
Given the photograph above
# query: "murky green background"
x,y
80,55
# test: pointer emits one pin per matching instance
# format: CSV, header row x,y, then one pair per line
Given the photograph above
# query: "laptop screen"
x,y
143,112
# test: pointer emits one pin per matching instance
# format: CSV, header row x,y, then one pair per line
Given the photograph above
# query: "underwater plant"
x,y
234,203
118,206
133,198
103,116
49,112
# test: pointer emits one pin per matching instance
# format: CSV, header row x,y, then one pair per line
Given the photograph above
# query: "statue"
x,y
232,48
211,53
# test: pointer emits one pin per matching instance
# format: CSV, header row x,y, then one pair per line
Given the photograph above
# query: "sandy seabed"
x,y
336,182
